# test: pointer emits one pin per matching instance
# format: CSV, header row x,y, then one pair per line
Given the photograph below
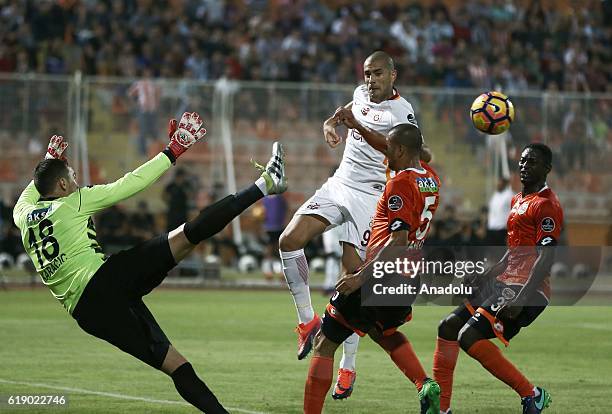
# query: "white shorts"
x,y
350,209
331,241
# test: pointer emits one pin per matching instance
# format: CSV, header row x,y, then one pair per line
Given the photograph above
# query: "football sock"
x,y
401,352
295,269
444,361
215,217
194,391
317,384
349,352
261,184
490,357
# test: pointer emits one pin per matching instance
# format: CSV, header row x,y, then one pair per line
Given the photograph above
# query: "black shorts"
x,y
345,315
111,306
480,311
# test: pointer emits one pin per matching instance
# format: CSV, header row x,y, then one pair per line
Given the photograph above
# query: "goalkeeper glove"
x,y
56,148
184,134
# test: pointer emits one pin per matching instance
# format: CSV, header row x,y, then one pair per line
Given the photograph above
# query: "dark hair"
x,y
47,173
408,135
543,149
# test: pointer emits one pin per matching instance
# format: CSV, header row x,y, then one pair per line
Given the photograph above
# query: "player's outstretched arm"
x,y
30,195
476,280
349,283
182,136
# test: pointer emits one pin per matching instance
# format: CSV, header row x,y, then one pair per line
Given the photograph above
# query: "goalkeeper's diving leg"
x,y
182,241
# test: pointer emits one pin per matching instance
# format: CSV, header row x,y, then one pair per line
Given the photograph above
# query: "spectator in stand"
x,y
499,208
113,229
565,44
142,223
176,197
147,94
275,212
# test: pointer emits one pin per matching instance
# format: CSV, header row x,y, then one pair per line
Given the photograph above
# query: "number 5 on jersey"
x,y
426,217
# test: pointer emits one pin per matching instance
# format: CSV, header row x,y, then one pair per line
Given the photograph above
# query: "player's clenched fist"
x,y
185,133
56,148
329,132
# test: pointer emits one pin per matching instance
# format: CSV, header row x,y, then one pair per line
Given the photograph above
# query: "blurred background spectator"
x,y
275,213
499,208
498,44
175,195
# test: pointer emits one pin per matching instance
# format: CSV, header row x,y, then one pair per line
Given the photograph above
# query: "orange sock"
x,y
496,363
407,361
444,361
317,384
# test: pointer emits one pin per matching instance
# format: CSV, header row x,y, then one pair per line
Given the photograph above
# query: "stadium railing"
x,y
112,132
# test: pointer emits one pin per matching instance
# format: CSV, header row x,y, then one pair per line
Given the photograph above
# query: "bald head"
x,y
381,57
407,135
404,144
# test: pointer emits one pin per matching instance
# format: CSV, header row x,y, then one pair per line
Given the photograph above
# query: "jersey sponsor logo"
x,y
365,110
356,135
522,208
313,206
548,224
547,241
377,117
499,327
378,187
427,184
395,203
411,119
398,224
39,214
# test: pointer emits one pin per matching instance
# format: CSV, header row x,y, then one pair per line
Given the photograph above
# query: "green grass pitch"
x,y
242,344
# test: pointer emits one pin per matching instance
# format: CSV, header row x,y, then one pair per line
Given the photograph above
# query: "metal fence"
x,y
113,131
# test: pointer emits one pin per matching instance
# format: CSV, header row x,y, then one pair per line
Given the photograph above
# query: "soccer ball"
x,y
492,113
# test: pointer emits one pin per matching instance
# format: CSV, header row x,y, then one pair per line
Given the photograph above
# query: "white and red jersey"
x,y
363,167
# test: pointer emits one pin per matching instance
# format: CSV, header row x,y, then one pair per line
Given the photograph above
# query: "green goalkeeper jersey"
x,y
59,234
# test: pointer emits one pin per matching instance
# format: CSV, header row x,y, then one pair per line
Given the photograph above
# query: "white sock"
x,y
349,352
261,184
536,392
332,270
295,269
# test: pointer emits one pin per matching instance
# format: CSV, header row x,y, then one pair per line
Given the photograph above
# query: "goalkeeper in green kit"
x,y
104,294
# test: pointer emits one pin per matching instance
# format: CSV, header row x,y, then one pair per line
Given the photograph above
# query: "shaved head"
x,y
404,144
382,57
409,136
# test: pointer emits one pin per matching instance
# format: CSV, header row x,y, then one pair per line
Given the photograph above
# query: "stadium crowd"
x,y
516,45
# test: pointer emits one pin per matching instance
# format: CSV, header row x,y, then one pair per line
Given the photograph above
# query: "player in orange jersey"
x,y
402,219
512,293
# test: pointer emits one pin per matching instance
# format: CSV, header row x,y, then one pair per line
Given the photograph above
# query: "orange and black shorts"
x,y
345,315
480,311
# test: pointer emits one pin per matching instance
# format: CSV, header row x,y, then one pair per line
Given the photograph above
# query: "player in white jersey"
x,y
348,198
